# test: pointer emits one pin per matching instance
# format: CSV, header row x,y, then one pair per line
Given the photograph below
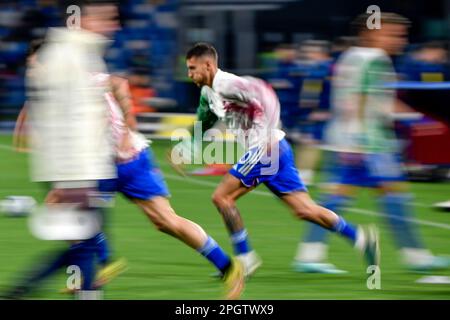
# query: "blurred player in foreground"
x,y
70,141
364,150
109,269
251,108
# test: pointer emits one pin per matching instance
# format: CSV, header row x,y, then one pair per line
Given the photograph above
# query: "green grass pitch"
x,y
161,267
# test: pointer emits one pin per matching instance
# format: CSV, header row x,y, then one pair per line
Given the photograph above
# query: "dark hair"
x,y
360,23
202,49
34,46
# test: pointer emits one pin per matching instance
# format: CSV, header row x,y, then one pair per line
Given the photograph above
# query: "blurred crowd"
x,y
145,51
142,49
302,74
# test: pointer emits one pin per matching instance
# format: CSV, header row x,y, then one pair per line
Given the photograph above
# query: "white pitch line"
x,y
413,220
267,194
6,147
353,210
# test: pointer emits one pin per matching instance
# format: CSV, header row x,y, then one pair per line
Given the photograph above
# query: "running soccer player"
x,y
364,150
141,181
250,107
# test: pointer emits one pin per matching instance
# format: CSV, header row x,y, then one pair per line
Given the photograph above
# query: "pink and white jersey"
x,y
249,106
119,129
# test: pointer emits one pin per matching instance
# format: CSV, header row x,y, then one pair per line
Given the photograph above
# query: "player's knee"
x,y
218,199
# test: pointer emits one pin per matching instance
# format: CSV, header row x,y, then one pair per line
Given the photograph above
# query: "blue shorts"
x,y
365,170
279,174
139,178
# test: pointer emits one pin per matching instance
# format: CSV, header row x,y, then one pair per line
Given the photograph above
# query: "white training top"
x,y
70,131
361,105
118,126
248,106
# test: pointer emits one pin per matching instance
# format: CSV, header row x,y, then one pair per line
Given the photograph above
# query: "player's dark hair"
x,y
202,49
359,24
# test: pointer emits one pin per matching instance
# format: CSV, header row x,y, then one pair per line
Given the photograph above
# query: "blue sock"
x,y
345,229
83,255
335,203
396,206
102,248
240,242
215,254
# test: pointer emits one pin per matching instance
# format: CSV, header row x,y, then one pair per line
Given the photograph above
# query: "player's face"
x,y
392,38
32,60
198,70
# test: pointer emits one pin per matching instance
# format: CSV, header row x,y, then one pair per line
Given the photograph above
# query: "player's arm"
x,y
186,150
205,115
121,92
20,132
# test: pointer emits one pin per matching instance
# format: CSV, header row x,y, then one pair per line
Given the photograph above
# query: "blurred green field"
x,y
162,268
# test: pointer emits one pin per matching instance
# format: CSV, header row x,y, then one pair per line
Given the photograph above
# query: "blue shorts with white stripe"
x,y
276,170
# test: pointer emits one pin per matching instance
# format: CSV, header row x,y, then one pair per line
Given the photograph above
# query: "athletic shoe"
x,y
234,280
110,271
251,261
372,246
310,267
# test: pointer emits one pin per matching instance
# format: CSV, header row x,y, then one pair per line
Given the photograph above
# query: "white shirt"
x,y
118,126
70,129
360,125
249,106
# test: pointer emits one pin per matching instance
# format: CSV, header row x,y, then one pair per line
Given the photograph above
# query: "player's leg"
x,y
164,218
395,201
286,183
224,198
42,268
107,190
142,182
109,267
312,251
82,255
337,192
306,209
